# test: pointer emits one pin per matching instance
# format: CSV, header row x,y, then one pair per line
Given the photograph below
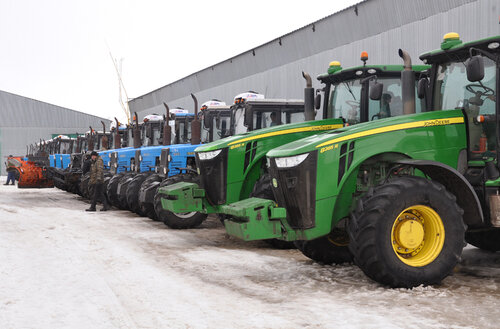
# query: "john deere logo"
x,y
275,182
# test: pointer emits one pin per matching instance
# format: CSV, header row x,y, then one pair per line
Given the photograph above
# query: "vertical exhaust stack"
x,y
167,130
90,143
407,84
118,139
137,132
309,112
195,124
104,140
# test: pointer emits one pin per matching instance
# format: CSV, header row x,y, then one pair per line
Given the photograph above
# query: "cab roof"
x,y
459,51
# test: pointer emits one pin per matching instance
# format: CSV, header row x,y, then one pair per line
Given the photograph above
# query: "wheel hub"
x,y
409,234
418,235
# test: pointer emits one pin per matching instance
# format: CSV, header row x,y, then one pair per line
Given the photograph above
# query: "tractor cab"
x,y
365,93
182,130
465,76
251,111
215,116
152,130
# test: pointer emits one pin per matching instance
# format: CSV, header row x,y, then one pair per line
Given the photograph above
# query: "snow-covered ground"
x,y
61,267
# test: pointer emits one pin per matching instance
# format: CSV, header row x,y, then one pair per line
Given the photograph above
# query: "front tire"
x,y
408,232
133,192
173,220
330,249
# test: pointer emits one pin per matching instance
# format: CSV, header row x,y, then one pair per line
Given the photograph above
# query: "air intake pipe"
x,y
137,132
309,112
167,130
195,124
90,143
104,139
407,84
118,138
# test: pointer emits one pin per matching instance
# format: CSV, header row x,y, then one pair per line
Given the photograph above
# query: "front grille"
x,y
214,177
113,162
296,191
163,168
137,161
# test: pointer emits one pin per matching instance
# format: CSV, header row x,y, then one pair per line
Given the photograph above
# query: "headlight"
x,y
116,165
288,162
140,157
169,158
208,155
164,171
109,163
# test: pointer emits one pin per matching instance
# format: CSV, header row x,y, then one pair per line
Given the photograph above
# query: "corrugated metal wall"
x,y
379,27
24,121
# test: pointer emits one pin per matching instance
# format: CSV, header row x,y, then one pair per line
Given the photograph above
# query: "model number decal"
x,y
237,145
326,148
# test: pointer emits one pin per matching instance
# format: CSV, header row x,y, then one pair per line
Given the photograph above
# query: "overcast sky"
x,y
57,51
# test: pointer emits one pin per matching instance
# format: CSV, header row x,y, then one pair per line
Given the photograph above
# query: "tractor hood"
x,y
276,131
327,141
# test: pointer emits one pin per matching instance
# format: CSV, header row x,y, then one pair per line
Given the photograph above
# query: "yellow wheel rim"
x,y
417,235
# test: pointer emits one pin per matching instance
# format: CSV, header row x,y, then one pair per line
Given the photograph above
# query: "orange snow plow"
x,y
32,171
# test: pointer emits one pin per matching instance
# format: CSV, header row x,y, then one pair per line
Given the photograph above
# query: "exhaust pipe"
x,y
137,132
104,140
91,140
167,130
309,112
195,124
118,139
407,84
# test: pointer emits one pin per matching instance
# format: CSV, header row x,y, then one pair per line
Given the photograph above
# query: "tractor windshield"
x,y
221,130
452,90
344,101
65,147
390,104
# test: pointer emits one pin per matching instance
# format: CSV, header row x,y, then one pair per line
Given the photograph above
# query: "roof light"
x,y
372,71
364,57
493,45
359,72
334,67
450,40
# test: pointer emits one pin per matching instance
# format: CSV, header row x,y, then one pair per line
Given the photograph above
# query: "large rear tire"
x,y
408,232
133,192
148,207
123,184
262,189
488,239
178,221
111,190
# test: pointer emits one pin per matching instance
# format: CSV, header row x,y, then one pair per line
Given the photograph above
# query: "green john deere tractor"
x,y
234,168
399,195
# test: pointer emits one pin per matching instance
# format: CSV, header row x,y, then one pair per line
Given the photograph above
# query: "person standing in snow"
x,y
97,181
11,172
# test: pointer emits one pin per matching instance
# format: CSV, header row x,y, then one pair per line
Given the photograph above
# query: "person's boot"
x,y
6,184
105,208
90,209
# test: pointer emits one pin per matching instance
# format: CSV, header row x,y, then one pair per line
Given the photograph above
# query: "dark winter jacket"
x,y
96,171
10,166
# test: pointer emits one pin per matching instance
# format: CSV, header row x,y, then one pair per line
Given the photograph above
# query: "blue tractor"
x,y
250,111
171,160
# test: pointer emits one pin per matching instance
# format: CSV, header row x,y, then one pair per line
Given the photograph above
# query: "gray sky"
x,y
56,51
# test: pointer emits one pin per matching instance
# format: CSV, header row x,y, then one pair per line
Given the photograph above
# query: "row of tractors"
x,y
399,172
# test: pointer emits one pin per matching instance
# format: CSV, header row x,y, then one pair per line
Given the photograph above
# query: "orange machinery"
x,y
32,171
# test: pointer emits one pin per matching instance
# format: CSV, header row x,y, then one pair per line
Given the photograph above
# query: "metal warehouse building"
x,y
379,27
24,121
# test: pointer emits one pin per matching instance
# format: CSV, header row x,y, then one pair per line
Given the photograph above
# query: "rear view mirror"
x,y
317,101
376,91
206,120
423,85
217,122
248,117
475,68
